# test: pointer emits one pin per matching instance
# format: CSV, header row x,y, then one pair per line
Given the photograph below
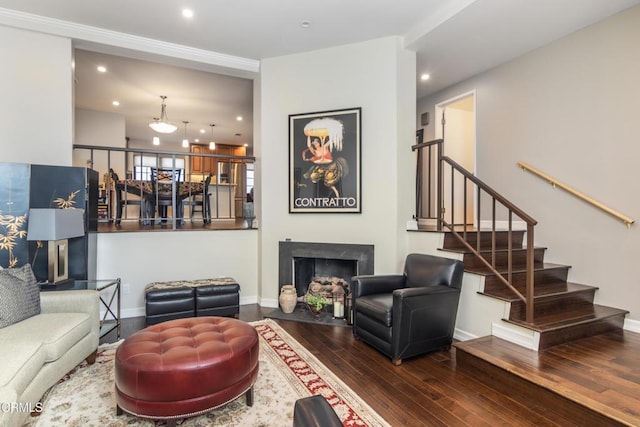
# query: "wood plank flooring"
x,y
134,226
432,390
597,376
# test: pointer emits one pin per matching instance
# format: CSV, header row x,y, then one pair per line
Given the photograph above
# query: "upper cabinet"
x,y
198,163
205,165
239,151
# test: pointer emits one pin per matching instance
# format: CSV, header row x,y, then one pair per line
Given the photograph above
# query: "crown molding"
x,y
84,35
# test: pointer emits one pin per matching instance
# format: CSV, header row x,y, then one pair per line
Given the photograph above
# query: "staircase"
x,y
541,309
563,311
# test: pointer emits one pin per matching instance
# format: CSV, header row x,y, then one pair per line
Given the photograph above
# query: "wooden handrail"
x,y
426,144
555,183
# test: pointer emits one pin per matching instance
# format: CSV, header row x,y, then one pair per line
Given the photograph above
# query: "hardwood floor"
x,y
127,226
432,390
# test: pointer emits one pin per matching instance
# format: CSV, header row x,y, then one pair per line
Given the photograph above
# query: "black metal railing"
x,y
155,180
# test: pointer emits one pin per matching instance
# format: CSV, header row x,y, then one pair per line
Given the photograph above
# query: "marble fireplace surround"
x,y
361,254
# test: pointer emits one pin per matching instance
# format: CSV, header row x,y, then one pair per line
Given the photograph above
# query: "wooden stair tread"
x,y
482,251
517,269
542,290
574,317
562,311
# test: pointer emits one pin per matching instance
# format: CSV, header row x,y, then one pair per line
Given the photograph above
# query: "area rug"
x,y
86,396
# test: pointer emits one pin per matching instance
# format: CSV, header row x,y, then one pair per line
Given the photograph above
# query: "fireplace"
x,y
300,262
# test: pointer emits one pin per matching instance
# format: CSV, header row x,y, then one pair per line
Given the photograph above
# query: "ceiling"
x,y
454,40
199,97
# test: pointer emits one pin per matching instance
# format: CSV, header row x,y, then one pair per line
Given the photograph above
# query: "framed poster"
x,y
324,162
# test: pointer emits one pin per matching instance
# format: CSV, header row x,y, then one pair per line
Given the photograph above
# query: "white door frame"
x,y
439,108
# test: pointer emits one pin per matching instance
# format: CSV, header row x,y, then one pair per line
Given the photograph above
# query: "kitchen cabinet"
x,y
205,165
223,149
197,163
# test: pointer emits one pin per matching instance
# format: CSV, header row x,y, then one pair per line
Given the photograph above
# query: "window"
x,y
143,165
250,179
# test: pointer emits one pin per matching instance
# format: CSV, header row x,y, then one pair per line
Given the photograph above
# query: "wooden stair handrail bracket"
x,y
555,183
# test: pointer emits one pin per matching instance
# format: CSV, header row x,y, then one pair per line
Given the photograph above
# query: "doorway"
x,y
458,127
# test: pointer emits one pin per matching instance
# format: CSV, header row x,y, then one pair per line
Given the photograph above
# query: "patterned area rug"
x,y
86,397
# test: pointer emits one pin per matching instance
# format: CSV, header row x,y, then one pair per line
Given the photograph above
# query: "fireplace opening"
x,y
307,270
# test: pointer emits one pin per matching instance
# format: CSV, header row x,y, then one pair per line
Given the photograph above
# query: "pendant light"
x,y
185,141
163,125
212,144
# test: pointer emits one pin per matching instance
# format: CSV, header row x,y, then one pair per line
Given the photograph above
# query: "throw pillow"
x,y
19,295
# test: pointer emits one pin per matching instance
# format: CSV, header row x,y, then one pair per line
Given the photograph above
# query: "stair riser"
x,y
559,274
526,391
502,240
571,333
553,304
519,259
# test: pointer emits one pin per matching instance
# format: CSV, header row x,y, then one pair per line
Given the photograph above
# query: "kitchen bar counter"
x,y
224,195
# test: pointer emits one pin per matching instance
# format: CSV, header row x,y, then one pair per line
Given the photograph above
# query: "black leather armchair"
x,y
408,314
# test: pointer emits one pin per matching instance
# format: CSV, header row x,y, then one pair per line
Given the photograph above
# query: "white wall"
x,y
378,76
104,130
142,258
569,109
36,99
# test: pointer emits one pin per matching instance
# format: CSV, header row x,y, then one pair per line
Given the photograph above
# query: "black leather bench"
x,y
191,298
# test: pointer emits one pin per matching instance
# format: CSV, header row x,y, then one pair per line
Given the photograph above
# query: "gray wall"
x,y
569,109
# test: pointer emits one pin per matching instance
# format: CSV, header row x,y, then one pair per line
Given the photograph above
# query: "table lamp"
x,y
56,226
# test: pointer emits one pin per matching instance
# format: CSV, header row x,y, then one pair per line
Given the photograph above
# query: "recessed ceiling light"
x,y
201,130
115,103
102,68
305,24
196,140
239,118
425,76
187,13
246,145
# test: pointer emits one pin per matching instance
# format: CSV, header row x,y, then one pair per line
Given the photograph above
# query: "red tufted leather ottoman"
x,y
186,367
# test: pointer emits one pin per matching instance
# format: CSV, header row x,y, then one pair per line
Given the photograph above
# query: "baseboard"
x,y
249,300
461,335
268,302
520,336
631,325
132,312
427,222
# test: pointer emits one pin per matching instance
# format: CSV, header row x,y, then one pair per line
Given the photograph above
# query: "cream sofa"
x,y
38,351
